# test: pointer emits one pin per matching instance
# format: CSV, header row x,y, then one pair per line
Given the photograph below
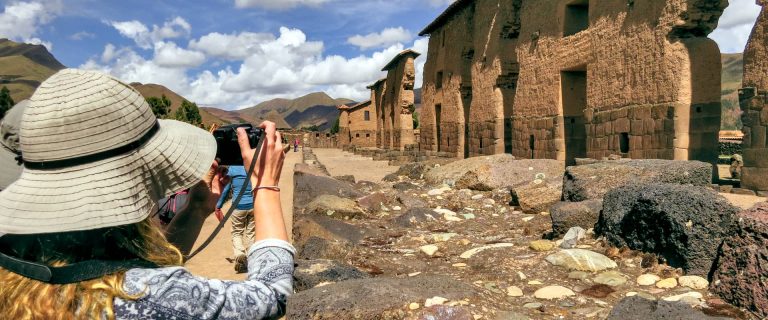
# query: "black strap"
x,y
73,273
235,202
66,163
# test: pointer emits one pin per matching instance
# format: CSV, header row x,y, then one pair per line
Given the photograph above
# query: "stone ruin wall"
x,y
754,104
377,100
344,135
362,133
651,76
312,139
396,104
639,81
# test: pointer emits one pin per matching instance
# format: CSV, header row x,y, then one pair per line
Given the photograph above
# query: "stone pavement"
x,y
340,163
212,263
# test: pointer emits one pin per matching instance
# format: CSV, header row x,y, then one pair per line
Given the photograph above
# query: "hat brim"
x,y
117,191
10,169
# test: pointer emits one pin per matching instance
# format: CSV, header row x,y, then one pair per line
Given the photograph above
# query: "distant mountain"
x,y
235,117
314,109
732,77
24,66
156,90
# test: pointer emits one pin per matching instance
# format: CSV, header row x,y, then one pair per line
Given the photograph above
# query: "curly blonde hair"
x,y
24,298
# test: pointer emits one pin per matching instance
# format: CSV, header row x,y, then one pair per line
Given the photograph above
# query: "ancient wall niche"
x,y
576,17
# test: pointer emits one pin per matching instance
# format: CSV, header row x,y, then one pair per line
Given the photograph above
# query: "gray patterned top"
x,y
174,293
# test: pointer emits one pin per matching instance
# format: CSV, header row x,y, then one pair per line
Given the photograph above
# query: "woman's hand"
x,y
269,164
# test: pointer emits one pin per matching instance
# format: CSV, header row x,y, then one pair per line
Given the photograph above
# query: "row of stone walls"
x,y
363,138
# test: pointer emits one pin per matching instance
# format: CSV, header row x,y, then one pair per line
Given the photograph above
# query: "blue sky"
x,y
236,53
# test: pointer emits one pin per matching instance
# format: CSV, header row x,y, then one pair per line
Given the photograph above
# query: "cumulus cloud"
x,y
437,3
168,54
20,21
736,25
145,38
231,46
383,39
278,4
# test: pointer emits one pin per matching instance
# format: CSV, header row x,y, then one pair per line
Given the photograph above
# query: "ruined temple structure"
x,y
357,125
394,101
754,104
567,79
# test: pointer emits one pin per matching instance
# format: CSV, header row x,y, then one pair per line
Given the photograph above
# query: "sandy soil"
x,y
212,263
340,163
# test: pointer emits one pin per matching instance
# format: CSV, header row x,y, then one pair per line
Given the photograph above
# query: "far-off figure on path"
x,y
243,227
736,163
296,145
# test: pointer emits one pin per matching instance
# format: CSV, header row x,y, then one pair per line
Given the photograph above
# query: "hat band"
x,y
66,163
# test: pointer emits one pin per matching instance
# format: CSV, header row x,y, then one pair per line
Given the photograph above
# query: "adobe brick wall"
x,y
397,102
651,76
754,104
362,132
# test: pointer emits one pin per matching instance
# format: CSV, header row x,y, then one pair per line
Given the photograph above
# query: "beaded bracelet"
x,y
273,188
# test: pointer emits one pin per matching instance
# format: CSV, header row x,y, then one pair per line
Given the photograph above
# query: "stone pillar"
x,y
754,104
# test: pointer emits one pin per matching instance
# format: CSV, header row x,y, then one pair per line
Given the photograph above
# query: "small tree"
x,y
189,113
6,102
415,120
335,128
161,107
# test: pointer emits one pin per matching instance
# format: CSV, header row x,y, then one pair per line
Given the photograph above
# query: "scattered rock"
x,y
593,181
318,248
582,260
434,301
333,206
533,305
611,278
469,253
648,279
414,216
308,187
542,245
598,291
310,273
514,292
477,197
411,202
509,315
553,292
572,237
566,215
638,308
667,283
578,275
693,282
346,178
373,202
436,192
692,294
488,173
414,306
327,228
404,186
683,224
429,250
740,273
444,313
353,299
537,196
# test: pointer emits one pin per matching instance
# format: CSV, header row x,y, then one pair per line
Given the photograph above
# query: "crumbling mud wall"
x,y
377,96
398,102
344,135
362,125
567,79
754,104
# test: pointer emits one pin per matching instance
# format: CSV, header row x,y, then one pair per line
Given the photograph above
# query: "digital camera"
x,y
228,151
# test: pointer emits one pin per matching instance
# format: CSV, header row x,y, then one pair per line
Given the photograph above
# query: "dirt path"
x,y
212,263
341,163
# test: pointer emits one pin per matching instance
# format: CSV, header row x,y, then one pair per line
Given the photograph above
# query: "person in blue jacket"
x,y
242,218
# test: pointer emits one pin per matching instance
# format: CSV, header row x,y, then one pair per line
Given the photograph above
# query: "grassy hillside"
x,y
733,73
156,90
235,117
313,109
24,66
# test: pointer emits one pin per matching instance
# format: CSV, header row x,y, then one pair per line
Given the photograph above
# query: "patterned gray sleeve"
x,y
174,293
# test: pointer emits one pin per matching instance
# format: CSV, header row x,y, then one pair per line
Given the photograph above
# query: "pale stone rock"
x,y
648,279
541,245
553,292
668,283
469,253
514,292
429,250
582,260
693,282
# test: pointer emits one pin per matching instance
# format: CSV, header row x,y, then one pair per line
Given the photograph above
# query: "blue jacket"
x,y
238,176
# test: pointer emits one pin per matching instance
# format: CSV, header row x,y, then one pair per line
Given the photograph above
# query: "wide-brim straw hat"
x,y
95,156
10,167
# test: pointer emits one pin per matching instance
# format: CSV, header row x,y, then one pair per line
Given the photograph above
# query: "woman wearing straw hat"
x,y
78,242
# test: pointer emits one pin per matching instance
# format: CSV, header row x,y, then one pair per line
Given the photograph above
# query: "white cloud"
x,y
231,46
168,54
383,39
20,21
82,35
437,3
278,4
145,38
736,25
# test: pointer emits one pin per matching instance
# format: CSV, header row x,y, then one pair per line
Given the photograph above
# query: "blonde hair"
x,y
24,298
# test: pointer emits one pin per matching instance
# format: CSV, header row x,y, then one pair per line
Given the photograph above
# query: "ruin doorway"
x,y
466,98
574,101
439,135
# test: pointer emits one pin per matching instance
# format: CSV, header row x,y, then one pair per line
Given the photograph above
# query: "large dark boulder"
x,y
310,273
315,248
327,228
683,224
416,170
414,216
566,215
638,308
488,173
307,187
333,206
742,268
593,181
372,299
537,196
